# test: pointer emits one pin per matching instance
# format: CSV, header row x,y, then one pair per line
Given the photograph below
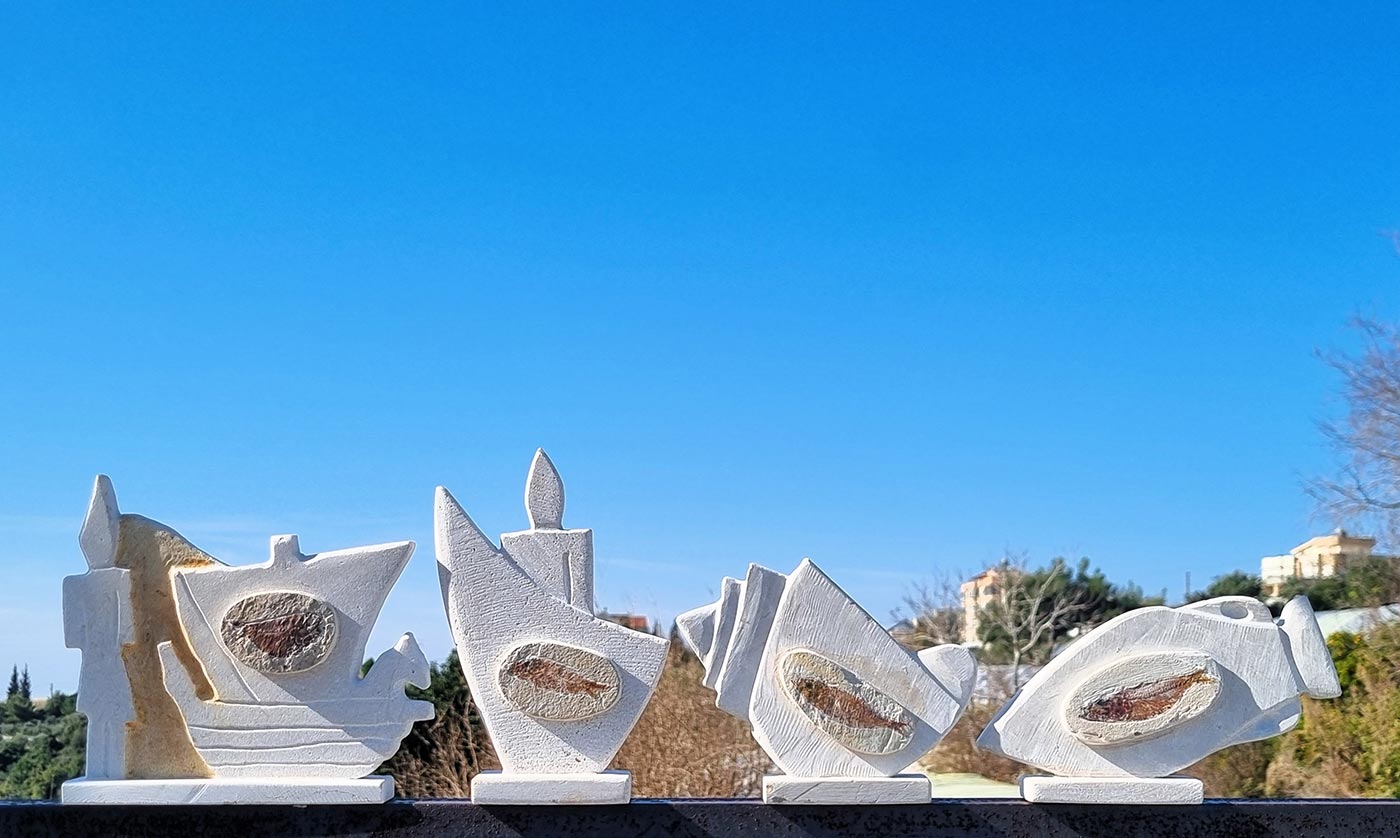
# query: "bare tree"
x,y
1367,440
1028,609
934,613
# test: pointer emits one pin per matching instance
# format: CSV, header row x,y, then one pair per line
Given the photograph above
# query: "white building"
x,y
1316,558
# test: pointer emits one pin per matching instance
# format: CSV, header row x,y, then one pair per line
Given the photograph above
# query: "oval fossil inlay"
x,y
559,683
1142,696
843,706
1135,704
279,632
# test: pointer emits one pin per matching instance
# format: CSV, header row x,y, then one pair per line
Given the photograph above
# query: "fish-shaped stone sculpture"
x,y
1154,690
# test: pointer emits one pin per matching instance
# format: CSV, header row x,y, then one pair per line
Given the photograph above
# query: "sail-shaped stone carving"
x,y
836,703
214,684
1153,691
558,688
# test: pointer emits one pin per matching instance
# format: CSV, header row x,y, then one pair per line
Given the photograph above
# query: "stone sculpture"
x,y
835,702
558,688
97,620
214,684
1156,689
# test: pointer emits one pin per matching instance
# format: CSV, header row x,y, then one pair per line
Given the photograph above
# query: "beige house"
x,y
977,593
1316,558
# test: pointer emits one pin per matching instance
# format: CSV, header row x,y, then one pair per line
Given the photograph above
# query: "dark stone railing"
x,y
712,818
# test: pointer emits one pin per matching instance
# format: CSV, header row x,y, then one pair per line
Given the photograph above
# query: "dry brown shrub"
x,y
1238,771
440,756
446,769
685,746
1346,747
958,753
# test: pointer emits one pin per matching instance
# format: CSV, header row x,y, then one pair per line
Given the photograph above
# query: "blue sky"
x,y
897,288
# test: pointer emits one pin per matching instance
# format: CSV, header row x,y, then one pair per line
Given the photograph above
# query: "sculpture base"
x,y
497,788
829,791
298,791
1124,790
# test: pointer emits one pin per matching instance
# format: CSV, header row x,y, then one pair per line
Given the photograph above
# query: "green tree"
x,y
1131,596
1349,746
18,707
1033,610
50,752
440,756
1326,594
1371,582
60,704
1234,583
1347,649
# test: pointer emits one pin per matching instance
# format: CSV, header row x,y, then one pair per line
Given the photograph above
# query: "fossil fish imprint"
x,y
1142,696
279,632
555,682
842,706
1134,704
551,675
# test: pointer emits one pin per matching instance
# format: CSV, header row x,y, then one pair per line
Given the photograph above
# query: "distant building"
x,y
638,622
1316,558
977,593
1356,620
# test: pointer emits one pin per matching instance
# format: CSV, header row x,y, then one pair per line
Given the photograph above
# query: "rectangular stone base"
x,y
1125,790
827,791
497,788
299,791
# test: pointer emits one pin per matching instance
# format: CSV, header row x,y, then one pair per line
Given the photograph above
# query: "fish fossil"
x,y
844,707
1143,701
555,677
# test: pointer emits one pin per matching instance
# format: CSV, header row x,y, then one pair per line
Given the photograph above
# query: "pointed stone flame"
x,y
98,537
544,494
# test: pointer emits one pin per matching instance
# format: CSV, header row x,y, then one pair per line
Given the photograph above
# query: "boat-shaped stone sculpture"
x,y
1152,691
834,700
558,688
219,684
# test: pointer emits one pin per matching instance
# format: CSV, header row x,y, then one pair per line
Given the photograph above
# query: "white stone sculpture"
x,y
1154,690
234,684
558,688
834,701
97,620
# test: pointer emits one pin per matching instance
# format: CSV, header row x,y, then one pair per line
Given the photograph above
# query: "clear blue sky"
x,y
893,288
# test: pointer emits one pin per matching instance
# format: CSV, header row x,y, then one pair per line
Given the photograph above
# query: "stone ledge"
x,y
708,818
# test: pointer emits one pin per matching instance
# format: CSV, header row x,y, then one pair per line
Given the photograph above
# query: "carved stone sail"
x,y
558,688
